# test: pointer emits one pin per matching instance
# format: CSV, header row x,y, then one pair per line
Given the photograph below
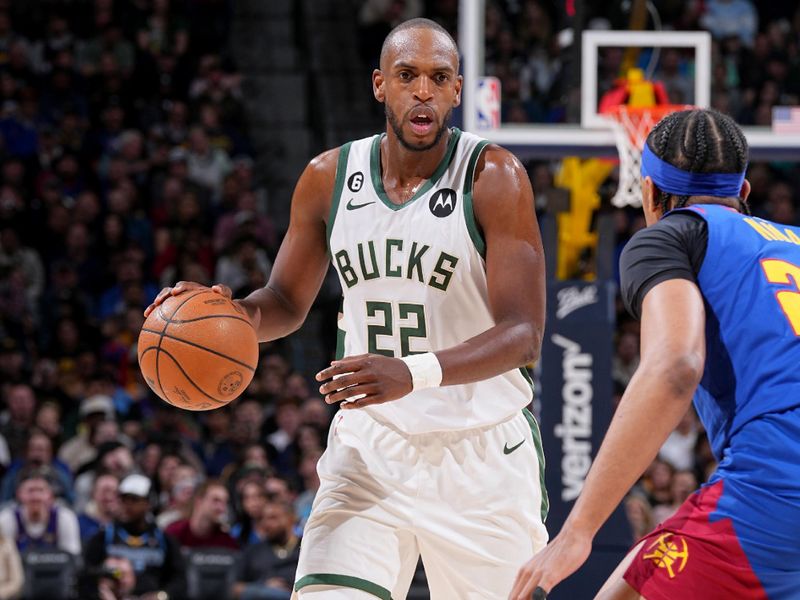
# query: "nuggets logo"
x,y
229,384
667,552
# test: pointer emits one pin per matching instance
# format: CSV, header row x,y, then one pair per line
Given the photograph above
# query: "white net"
x,y
631,127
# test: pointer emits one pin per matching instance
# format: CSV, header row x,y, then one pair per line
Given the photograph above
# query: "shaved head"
x,y
395,36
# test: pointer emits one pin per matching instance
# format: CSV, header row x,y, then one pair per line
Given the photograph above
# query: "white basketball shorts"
x,y
470,502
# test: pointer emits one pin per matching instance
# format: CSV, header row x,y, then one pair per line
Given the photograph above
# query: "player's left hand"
x,y
364,380
557,561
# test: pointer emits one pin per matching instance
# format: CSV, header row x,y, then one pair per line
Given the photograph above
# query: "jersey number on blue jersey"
x,y
782,272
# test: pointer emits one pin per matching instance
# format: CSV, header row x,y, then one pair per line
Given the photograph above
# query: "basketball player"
x,y
717,293
434,237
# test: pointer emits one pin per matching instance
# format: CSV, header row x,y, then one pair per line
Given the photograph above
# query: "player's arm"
x,y
504,209
281,306
659,394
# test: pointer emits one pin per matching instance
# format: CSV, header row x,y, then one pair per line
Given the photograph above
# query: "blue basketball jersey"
x,y
750,281
749,397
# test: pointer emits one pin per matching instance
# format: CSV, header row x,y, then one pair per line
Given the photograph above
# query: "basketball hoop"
x,y
631,125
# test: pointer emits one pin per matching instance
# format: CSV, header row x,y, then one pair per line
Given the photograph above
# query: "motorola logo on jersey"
x,y
443,202
355,181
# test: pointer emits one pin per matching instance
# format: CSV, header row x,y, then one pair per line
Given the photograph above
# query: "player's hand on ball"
x,y
364,380
551,565
182,287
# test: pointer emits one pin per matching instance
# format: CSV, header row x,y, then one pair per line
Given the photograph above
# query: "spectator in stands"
x,y
215,447
15,255
103,508
314,411
207,525
36,521
284,456
166,476
12,577
278,489
112,457
781,206
679,448
18,418
657,482
48,420
39,455
248,528
683,484
640,515
81,448
244,219
207,165
155,556
179,506
117,580
243,256
266,570
626,358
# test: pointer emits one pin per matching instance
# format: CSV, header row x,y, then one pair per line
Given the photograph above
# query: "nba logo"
x,y
488,103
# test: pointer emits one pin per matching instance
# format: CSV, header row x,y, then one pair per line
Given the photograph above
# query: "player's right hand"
x,y
552,564
182,287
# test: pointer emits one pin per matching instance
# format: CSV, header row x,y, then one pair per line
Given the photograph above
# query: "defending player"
x,y
434,237
717,293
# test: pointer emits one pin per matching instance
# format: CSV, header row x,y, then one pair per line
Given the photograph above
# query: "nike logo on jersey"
x,y
507,450
351,206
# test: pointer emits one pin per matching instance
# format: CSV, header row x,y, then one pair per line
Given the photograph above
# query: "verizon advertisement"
x,y
576,408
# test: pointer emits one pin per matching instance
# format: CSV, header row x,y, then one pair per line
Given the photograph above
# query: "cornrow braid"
x,y
699,141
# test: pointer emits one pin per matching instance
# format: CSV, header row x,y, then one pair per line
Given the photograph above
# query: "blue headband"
x,y
683,183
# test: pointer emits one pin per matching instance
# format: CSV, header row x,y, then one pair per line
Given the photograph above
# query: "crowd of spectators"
x,y
125,165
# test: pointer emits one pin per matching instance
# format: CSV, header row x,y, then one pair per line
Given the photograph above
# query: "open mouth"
x,y
421,120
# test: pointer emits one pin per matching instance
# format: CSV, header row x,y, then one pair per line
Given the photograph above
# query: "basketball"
x,y
198,350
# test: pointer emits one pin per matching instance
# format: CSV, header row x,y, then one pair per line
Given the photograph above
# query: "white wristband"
x,y
426,372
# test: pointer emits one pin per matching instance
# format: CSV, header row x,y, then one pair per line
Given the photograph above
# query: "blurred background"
x,y
144,142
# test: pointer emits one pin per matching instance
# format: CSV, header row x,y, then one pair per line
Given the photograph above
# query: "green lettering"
x,y
366,274
373,331
347,272
393,271
415,261
420,330
440,278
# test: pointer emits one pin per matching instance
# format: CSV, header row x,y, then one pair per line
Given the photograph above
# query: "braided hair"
x,y
699,141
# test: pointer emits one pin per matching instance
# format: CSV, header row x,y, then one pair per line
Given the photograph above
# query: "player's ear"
x,y
651,208
745,191
378,85
459,83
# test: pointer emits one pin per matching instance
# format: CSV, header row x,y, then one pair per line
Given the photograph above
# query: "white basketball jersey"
x,y
414,280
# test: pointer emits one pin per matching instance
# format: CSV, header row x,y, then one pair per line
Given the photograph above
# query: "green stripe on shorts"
x,y
537,443
343,581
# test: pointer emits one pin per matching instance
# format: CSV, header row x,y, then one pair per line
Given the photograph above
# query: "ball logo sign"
x,y
443,202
